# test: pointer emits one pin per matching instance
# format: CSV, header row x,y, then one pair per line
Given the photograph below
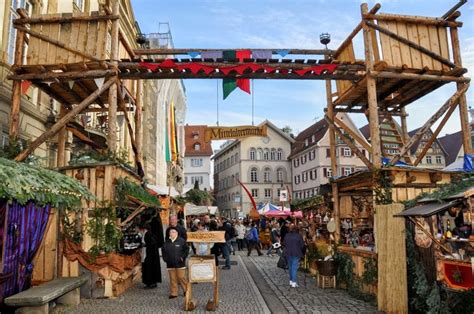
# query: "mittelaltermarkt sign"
x,y
220,133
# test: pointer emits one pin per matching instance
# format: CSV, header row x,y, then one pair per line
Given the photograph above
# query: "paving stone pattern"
x,y
308,298
238,294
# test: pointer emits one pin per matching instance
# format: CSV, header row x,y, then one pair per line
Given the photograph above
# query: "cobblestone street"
x,y
253,285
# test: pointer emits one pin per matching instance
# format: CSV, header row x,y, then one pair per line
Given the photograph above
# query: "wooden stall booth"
x,y
367,229
443,237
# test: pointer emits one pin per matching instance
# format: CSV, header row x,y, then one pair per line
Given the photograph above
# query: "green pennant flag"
x,y
228,85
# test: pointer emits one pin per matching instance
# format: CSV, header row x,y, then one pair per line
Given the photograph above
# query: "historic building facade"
x,y
260,163
197,158
311,162
435,157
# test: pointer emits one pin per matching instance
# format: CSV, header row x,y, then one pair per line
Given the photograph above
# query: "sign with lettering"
x,y
206,236
221,133
202,269
283,196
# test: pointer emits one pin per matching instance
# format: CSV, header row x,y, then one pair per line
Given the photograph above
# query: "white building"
x,y
197,158
260,163
311,161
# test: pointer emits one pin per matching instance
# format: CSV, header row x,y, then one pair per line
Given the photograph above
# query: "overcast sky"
x,y
285,24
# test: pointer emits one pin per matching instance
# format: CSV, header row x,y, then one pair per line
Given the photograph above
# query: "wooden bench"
x,y
36,299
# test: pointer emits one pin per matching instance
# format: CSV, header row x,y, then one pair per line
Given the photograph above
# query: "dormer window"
x,y
195,135
197,147
306,142
313,138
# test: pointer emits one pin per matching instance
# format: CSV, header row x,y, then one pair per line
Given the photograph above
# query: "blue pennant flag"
x,y
467,163
283,53
194,54
386,161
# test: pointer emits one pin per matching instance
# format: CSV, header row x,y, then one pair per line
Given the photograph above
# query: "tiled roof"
x,y
318,130
452,144
189,132
365,130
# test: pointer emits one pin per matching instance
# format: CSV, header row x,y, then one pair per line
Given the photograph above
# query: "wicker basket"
x,y
326,268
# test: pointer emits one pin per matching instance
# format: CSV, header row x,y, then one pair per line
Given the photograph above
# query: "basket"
x,y
326,268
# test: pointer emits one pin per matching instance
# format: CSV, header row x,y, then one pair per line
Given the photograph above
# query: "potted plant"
x,y
313,255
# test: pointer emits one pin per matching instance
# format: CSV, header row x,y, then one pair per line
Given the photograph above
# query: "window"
x,y
428,160
312,155
197,147
313,138
252,154
16,4
279,154
312,174
232,160
185,180
268,193
346,171
236,157
296,162
327,172
273,154
267,175
306,142
197,179
196,162
438,160
347,152
79,4
305,176
328,152
297,179
253,175
254,192
279,175
266,154
303,159
278,193
260,154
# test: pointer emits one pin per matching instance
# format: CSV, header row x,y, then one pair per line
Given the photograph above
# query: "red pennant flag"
x,y
243,54
244,84
150,66
25,85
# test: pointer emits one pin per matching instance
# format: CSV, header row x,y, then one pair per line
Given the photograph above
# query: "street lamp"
x,y
325,39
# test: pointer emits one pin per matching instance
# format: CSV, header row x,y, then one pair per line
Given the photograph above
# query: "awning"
x,y
163,190
427,210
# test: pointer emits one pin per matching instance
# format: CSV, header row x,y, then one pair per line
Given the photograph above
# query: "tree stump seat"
x,y
36,299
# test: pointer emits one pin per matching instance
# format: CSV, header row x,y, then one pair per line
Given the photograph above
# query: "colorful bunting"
x,y
25,85
217,54
283,52
194,54
261,54
242,54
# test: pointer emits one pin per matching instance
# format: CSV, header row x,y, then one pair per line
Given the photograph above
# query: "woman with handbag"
x,y
294,250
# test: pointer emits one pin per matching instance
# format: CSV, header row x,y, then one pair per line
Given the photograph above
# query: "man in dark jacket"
x,y
174,224
229,234
294,250
175,251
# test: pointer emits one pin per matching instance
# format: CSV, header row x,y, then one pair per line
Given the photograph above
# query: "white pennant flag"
x,y
71,84
99,82
49,83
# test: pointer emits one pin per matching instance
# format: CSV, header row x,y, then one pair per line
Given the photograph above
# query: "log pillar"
x,y
371,93
112,118
138,121
332,152
62,136
14,128
463,109
404,125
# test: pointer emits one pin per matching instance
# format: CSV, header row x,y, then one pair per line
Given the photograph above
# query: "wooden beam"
x,y
412,19
450,102
114,51
350,144
356,30
106,109
138,121
63,76
451,11
354,135
434,135
62,136
404,126
372,94
463,108
63,19
14,128
422,77
56,43
64,120
185,51
411,44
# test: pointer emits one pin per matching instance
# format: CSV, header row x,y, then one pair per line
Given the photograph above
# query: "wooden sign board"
x,y
221,133
206,236
202,269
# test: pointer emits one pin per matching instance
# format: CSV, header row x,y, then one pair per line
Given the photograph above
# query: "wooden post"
x,y
138,121
62,122
463,112
332,152
371,94
112,138
61,157
404,125
14,130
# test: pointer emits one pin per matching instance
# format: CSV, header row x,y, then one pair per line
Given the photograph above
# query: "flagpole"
x,y
253,93
217,101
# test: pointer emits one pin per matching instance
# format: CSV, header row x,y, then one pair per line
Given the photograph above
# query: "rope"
x,y
253,92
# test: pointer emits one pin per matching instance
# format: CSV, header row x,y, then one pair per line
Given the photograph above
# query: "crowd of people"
x,y
284,237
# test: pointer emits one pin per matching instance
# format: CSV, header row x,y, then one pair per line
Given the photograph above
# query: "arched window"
x,y
232,182
231,160
280,154
233,197
236,157
266,154
252,154
273,154
280,175
253,175
267,175
260,154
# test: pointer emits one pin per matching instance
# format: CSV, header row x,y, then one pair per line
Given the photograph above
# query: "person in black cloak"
x,y
156,228
151,273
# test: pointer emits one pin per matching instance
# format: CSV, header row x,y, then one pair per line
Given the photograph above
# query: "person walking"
x,y
240,230
175,252
294,250
275,238
252,240
151,273
226,247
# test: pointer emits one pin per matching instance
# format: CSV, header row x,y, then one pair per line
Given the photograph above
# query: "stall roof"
x,y
427,210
